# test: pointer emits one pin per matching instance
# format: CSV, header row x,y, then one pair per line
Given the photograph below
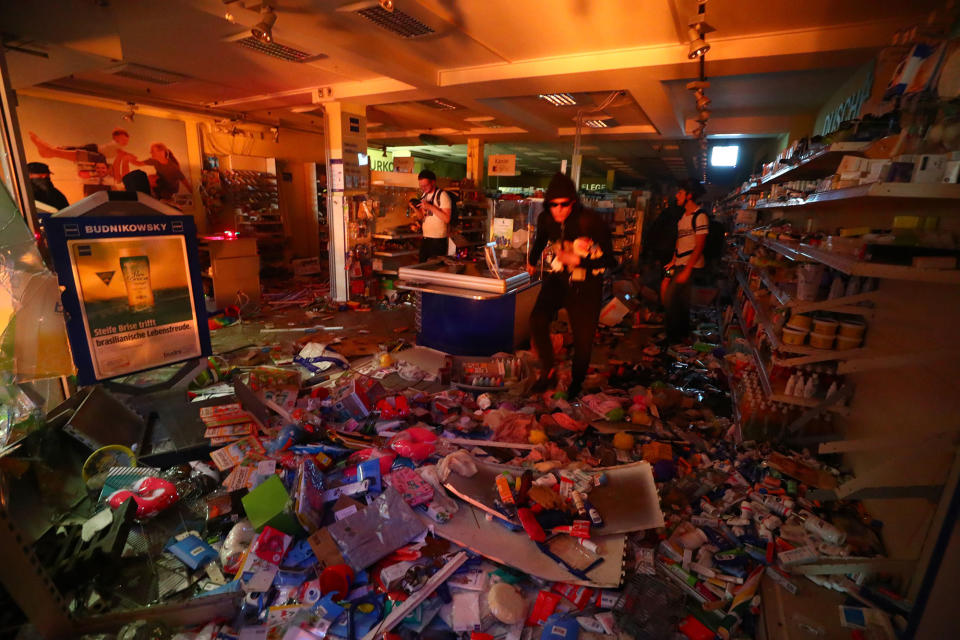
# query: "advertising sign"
x,y
131,292
502,165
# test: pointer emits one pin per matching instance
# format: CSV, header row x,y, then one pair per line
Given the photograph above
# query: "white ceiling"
x,y
772,64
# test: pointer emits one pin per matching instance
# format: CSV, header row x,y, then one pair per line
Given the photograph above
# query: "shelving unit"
x,y
851,266
812,354
909,312
254,199
817,164
396,254
872,191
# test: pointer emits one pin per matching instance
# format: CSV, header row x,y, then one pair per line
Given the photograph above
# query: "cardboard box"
x,y
951,172
850,167
358,396
929,169
306,266
613,312
875,169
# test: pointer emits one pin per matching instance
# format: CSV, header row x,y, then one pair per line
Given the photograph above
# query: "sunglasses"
x,y
561,203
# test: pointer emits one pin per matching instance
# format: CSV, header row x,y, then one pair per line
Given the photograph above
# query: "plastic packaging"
x,y
506,603
236,542
383,527
34,336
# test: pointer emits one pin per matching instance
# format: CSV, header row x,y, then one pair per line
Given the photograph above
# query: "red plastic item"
x,y
395,407
271,545
336,579
415,443
151,494
544,606
530,525
694,629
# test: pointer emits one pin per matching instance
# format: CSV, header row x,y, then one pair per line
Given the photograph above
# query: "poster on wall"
x,y
88,149
131,289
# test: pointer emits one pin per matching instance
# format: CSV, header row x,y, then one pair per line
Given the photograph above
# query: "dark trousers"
x,y
582,300
677,316
432,247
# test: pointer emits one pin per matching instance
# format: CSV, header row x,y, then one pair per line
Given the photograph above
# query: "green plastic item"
x,y
270,504
616,415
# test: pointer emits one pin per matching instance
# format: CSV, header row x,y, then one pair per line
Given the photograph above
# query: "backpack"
x,y
660,238
713,249
454,207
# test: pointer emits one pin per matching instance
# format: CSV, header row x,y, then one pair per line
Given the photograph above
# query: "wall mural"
x,y
88,149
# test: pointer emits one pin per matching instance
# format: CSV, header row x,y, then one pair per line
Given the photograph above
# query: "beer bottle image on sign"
x,y
136,277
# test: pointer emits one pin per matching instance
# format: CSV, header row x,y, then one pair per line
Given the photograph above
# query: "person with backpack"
x,y
688,259
436,207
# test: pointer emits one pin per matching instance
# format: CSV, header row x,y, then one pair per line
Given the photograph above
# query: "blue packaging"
x,y
559,627
193,552
370,469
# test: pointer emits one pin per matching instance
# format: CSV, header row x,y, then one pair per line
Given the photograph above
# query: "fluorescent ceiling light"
x,y
558,99
479,119
724,156
596,124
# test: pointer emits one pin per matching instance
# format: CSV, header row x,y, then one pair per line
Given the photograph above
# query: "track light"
x,y
698,28
698,47
387,5
263,30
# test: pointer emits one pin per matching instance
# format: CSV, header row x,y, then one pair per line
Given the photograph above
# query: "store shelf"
x,y
811,354
764,375
844,304
880,191
820,164
400,236
851,266
752,188
396,254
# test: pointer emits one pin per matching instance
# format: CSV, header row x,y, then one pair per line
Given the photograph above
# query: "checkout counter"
x,y
470,308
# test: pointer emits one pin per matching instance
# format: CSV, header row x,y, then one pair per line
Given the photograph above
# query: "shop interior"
x,y
244,395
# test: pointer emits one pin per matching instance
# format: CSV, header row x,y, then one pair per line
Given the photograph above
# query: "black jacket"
x,y
45,192
582,222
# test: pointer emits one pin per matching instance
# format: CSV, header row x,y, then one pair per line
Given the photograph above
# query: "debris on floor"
x,y
377,498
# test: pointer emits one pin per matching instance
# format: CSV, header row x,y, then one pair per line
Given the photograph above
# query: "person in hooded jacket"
x,y
580,253
43,189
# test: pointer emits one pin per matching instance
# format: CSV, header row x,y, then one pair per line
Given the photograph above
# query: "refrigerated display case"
x,y
470,307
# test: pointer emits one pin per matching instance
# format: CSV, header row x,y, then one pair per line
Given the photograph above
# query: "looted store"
x,y
375,320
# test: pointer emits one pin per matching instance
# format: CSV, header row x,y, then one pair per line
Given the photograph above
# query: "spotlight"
x,y
387,5
698,47
704,115
698,28
129,115
263,30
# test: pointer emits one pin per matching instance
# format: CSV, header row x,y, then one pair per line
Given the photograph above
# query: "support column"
x,y
475,161
345,134
13,162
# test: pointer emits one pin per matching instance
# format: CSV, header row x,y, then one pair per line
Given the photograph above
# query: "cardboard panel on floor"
x,y
628,502
469,528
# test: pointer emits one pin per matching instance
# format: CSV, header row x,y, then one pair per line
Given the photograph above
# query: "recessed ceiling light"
x,y
559,99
